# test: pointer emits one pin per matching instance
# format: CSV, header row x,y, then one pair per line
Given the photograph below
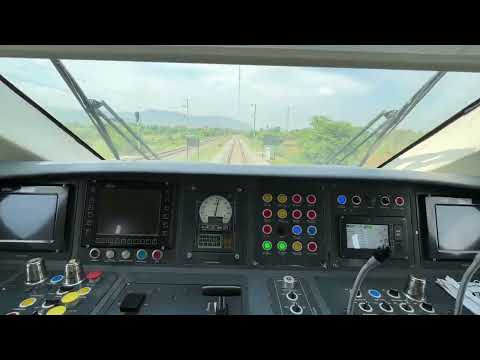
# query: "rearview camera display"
x,y
366,236
28,217
458,227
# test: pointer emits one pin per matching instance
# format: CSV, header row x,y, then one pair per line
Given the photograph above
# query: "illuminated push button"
x,y
94,253
341,199
57,310
267,213
311,214
297,230
311,199
266,229
110,254
297,246
84,291
374,293
142,254
312,230
312,246
93,276
157,254
125,254
56,279
267,245
282,213
296,198
267,197
70,298
399,201
282,245
296,214
282,198
28,302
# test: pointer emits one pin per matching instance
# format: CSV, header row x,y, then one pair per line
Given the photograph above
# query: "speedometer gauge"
x,y
216,207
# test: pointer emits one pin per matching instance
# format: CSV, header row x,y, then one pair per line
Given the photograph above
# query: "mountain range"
x,y
159,118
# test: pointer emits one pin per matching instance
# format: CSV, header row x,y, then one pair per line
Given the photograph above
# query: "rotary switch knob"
x,y
73,273
288,282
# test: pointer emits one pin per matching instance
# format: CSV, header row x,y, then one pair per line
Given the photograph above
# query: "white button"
x,y
125,254
110,254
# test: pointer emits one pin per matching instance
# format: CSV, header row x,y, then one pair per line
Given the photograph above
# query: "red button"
x,y
297,199
296,214
311,214
311,199
157,254
312,246
399,201
94,275
267,213
267,229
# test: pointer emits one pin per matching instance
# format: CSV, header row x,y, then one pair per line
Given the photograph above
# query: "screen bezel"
x,y
57,244
434,252
348,253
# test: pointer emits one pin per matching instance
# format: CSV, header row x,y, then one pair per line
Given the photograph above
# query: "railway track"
x,y
237,153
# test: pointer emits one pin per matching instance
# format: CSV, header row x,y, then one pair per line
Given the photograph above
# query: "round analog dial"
x,y
215,206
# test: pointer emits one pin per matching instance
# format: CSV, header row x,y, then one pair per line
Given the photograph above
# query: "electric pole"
x,y
288,118
254,118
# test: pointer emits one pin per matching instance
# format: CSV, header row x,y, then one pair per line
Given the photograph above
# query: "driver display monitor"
x,y
129,212
366,236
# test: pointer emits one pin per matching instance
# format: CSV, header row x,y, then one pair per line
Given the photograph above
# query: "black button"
x,y
386,306
393,293
406,307
50,302
427,307
132,302
365,307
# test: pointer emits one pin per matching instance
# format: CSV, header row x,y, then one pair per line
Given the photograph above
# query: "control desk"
x,y
159,238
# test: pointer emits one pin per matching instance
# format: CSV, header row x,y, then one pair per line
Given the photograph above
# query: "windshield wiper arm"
x,y
97,116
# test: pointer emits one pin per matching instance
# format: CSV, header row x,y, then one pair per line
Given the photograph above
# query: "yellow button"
x,y
70,297
282,213
28,302
282,198
297,246
84,291
267,198
57,310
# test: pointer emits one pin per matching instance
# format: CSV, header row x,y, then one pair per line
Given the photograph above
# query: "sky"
x,y
355,95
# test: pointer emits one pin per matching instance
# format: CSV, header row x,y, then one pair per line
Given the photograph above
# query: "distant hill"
x,y
158,117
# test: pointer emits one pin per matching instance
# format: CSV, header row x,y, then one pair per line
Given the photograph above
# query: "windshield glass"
x,y
244,114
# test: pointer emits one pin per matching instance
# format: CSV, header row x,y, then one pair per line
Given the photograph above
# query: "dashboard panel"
x,y
239,233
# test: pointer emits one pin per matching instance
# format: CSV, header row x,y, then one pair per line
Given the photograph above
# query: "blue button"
x,y
56,279
142,254
341,199
374,293
312,230
297,230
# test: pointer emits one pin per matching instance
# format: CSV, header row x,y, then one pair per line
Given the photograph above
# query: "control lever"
x,y
379,256
220,306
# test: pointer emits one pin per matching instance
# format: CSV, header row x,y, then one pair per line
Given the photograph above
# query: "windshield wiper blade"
x,y
93,109
392,119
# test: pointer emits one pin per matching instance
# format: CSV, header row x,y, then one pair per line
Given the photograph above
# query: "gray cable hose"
x,y
467,276
369,265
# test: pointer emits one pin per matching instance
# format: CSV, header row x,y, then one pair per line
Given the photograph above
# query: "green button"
x,y
267,245
282,246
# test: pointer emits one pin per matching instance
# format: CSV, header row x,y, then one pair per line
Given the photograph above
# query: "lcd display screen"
x,y
128,211
458,227
366,236
27,217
